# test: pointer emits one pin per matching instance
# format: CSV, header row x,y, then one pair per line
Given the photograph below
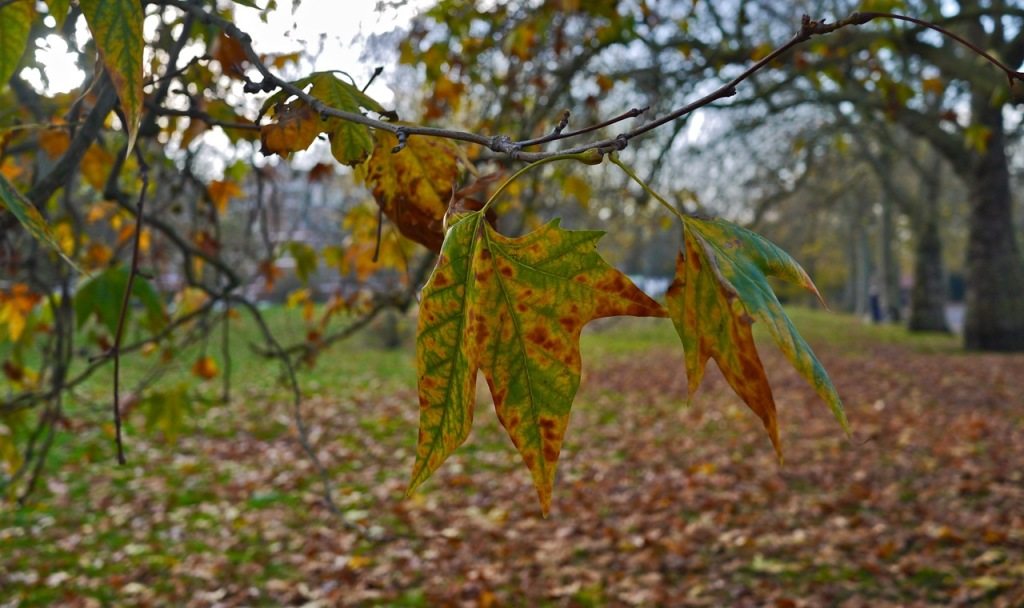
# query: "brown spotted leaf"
x,y
413,186
514,309
720,288
295,127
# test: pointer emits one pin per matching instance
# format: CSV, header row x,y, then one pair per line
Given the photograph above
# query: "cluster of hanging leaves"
x,y
720,288
514,308
510,307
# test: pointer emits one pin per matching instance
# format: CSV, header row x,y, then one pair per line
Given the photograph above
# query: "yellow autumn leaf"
x,y
295,127
54,142
414,185
95,167
221,192
9,170
16,304
189,300
101,210
97,255
205,367
301,297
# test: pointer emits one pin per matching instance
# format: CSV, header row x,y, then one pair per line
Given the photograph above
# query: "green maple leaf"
x,y
721,287
513,308
101,297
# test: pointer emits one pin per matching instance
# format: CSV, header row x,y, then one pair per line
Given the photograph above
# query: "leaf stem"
x,y
615,159
586,157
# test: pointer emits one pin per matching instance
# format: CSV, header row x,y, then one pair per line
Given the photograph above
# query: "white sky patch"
x,y
334,33
62,73
693,128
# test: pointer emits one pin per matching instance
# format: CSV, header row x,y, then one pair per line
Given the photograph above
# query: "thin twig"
x,y
558,132
125,301
1011,74
376,72
615,160
300,423
206,118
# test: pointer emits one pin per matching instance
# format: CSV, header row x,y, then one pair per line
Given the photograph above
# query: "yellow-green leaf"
x,y
167,411
15,23
351,143
305,260
10,455
26,213
720,289
514,309
976,138
116,27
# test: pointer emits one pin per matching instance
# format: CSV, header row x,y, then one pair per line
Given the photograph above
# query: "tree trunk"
x,y
862,273
995,269
928,298
889,266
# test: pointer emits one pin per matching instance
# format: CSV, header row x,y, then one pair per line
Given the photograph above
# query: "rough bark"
x,y
995,269
928,297
889,267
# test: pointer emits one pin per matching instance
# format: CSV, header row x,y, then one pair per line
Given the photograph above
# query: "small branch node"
x,y
376,72
563,122
403,137
502,143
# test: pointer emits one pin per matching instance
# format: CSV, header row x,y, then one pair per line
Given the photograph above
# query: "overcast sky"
x,y
335,31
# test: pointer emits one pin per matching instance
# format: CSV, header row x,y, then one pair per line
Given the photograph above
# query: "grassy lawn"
x,y
655,504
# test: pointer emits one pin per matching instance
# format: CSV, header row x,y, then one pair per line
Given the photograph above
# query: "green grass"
x,y
623,336
823,326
